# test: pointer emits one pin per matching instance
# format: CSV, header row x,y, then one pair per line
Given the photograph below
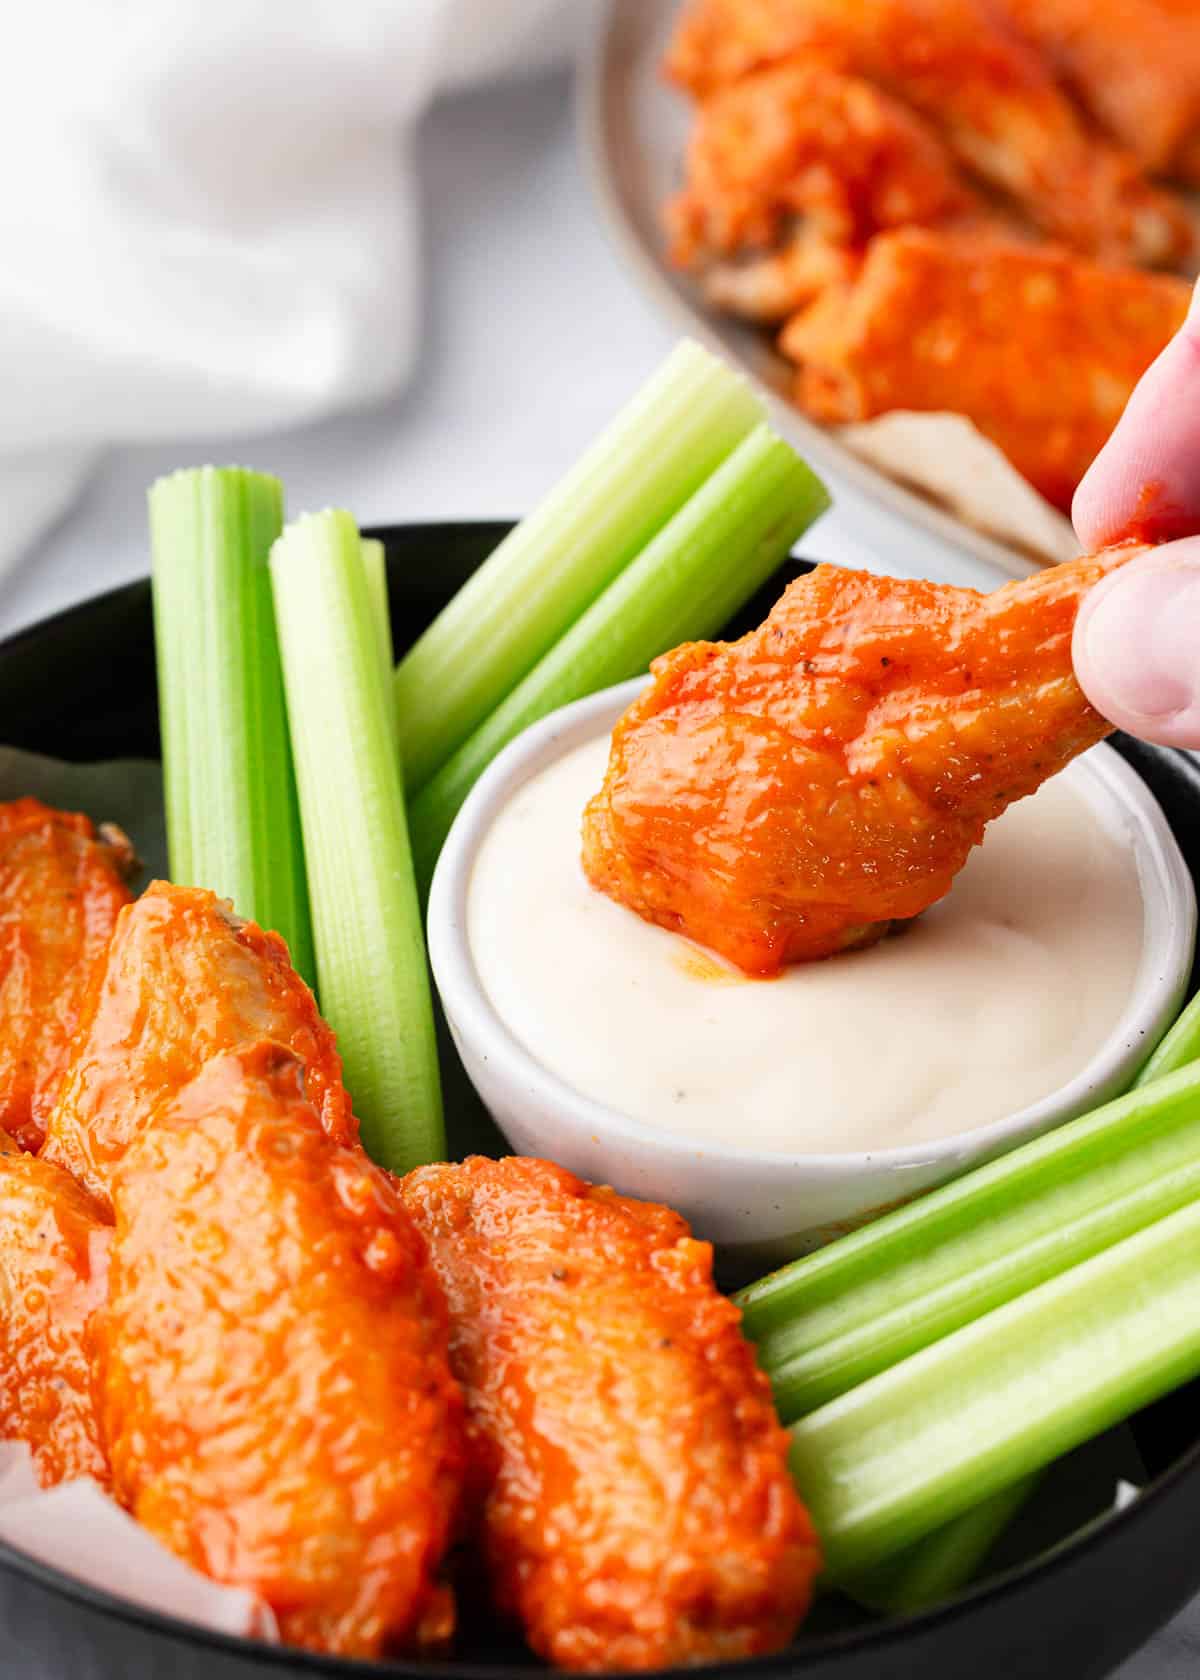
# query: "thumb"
x,y
1137,646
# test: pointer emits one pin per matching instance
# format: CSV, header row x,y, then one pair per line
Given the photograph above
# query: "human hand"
x,y
1137,637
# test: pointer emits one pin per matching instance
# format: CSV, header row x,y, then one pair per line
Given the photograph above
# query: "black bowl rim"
x,y
886,1632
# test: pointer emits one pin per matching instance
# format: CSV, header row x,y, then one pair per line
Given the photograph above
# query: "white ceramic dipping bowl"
x,y
763,1208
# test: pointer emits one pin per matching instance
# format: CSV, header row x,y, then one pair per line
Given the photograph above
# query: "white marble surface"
x,y
535,336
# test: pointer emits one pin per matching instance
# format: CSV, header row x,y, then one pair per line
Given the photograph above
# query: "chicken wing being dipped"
x,y
271,1365
62,886
1040,349
53,1248
638,1511
184,979
790,795
790,172
985,91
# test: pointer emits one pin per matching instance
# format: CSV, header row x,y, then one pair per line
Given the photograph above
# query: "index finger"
x,y
1146,479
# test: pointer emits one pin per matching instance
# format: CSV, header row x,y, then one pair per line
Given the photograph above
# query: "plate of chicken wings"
x,y
485,1382
948,236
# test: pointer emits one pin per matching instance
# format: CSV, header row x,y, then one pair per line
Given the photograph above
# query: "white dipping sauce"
x,y
991,1000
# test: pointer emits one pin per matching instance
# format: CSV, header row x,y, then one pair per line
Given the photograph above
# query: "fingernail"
x,y
1138,652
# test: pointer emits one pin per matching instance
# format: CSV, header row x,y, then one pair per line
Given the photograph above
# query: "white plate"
x,y
633,129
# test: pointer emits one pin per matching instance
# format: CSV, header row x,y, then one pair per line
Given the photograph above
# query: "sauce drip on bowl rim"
x,y
995,998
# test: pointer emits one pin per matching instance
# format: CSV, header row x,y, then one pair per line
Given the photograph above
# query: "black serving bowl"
x,y
81,687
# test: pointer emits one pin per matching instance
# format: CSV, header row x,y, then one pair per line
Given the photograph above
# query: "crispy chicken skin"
x,y
62,887
984,89
1135,65
637,1508
272,1364
52,1277
789,795
185,978
790,172
1038,348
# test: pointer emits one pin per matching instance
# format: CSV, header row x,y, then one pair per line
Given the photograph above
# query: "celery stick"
x,y
374,982
639,472
839,1316
705,564
232,819
374,561
1177,1048
911,1449
944,1562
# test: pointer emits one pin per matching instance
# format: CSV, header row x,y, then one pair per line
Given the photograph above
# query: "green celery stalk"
x,y
639,472
851,1310
944,1562
914,1447
371,965
1179,1047
374,560
232,819
717,550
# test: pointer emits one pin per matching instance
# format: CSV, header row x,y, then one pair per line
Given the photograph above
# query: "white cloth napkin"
x,y
207,219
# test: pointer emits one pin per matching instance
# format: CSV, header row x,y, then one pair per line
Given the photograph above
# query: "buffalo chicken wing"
x,y
984,89
1135,65
53,1250
185,978
637,1508
1039,349
790,173
790,795
62,887
272,1364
